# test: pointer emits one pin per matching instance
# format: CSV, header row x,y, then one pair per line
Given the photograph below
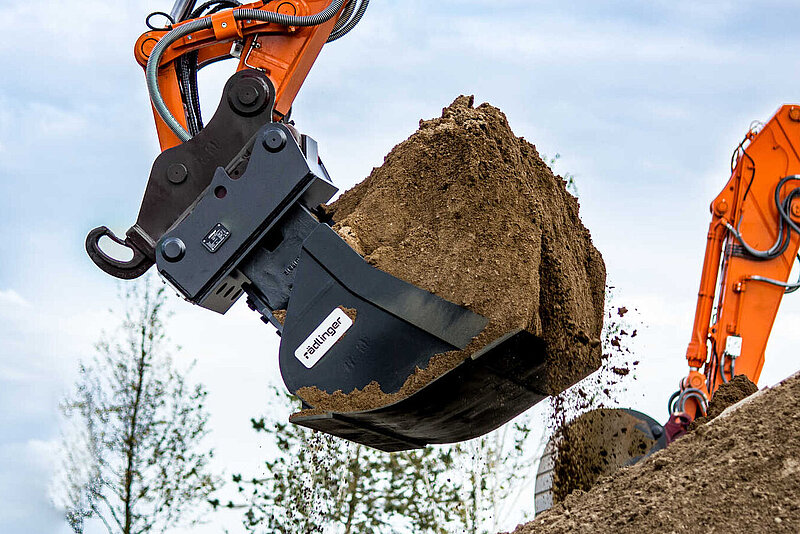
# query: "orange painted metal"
x,y
225,26
284,54
730,302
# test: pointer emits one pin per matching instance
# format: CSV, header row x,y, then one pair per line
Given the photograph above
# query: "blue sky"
x,y
644,101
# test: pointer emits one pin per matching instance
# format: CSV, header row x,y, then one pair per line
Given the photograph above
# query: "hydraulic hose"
x,y
789,287
347,12
151,71
338,33
693,393
785,224
721,363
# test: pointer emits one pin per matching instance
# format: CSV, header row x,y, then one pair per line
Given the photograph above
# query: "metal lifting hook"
x,y
126,270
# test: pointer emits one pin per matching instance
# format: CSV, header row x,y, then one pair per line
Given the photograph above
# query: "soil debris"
x,y
739,475
583,455
470,212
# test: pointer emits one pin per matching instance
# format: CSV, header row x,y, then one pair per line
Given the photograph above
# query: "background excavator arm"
x,y
752,246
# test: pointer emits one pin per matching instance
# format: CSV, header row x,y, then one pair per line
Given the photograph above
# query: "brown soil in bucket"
x,y
280,315
468,211
593,446
738,474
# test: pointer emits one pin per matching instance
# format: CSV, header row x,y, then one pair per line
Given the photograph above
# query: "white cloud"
x,y
25,471
10,298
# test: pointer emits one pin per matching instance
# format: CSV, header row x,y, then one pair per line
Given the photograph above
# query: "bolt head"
x,y
796,209
246,94
274,140
177,173
794,113
249,96
173,249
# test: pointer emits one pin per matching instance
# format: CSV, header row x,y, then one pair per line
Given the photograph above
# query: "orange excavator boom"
x,y
752,246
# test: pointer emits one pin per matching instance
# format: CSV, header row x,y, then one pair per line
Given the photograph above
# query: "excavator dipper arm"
x,y
752,246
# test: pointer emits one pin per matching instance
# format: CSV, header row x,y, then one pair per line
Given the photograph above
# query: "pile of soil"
x,y
470,212
737,474
593,446
726,395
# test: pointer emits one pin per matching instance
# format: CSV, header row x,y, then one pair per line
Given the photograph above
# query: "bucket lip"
x,y
479,397
474,357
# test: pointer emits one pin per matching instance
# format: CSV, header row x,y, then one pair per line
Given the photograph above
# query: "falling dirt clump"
x,y
590,436
726,395
470,212
593,446
739,474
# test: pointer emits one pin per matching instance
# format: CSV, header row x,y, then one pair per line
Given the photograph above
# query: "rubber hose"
x,y
693,393
785,224
671,402
345,16
721,363
151,71
337,34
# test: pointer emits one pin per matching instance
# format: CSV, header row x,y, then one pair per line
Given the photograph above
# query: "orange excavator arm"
x,y
284,53
752,245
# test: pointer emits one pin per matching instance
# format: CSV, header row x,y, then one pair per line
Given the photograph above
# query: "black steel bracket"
x,y
180,174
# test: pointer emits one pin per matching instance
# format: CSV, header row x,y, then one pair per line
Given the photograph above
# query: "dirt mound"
x,y
729,394
468,211
738,474
726,395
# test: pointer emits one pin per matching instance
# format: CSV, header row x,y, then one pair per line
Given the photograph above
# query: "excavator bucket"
x,y
223,217
347,323
592,446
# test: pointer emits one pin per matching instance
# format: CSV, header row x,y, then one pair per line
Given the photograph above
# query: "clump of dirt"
x,y
280,315
595,445
739,474
352,313
470,212
726,395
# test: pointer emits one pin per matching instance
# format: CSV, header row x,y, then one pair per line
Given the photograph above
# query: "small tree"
x,y
319,483
133,449
494,471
